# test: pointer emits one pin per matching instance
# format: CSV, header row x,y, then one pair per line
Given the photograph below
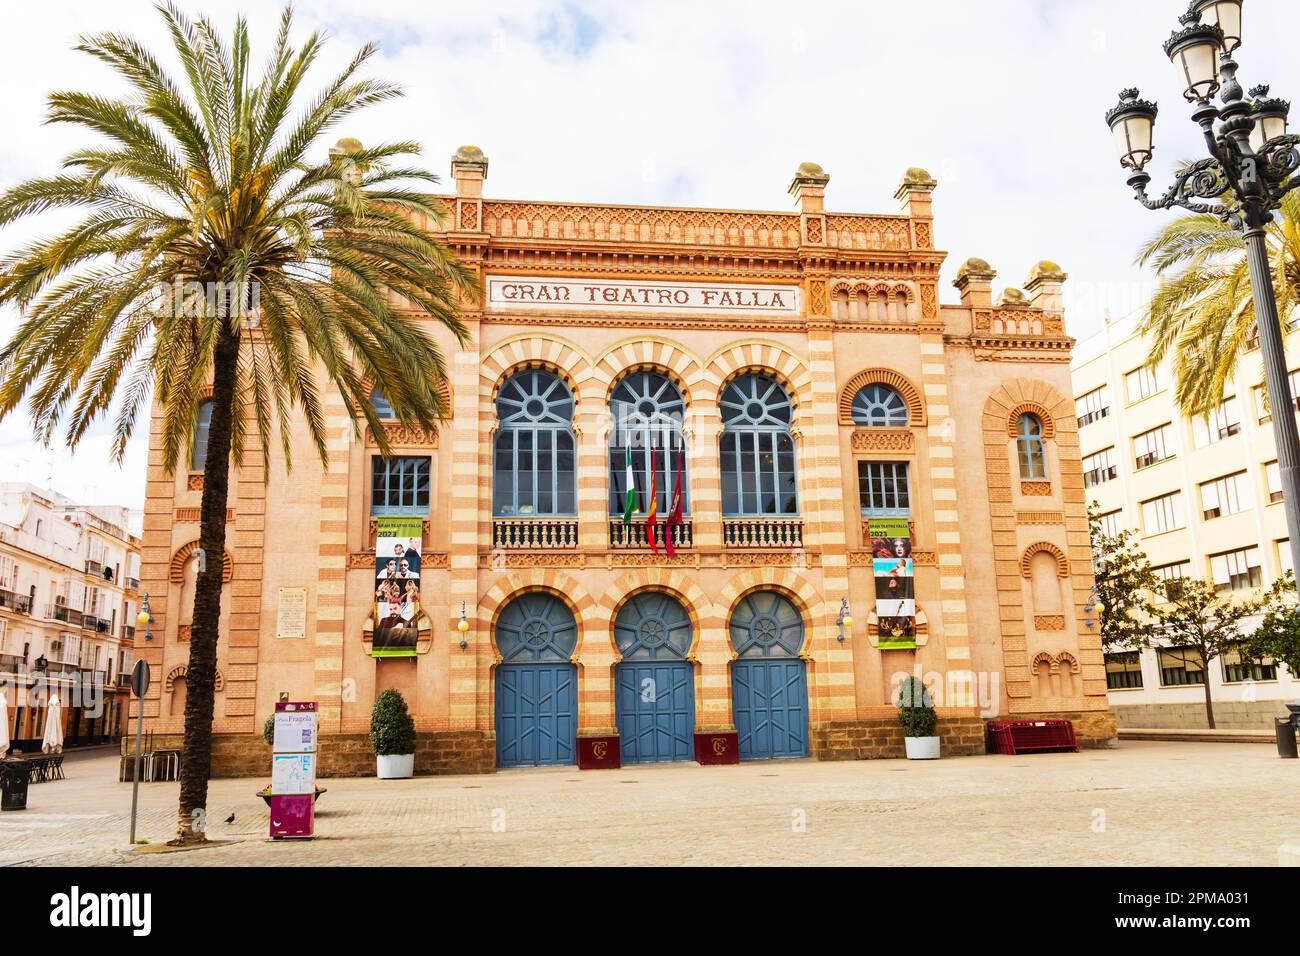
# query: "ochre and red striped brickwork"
x,y
869,313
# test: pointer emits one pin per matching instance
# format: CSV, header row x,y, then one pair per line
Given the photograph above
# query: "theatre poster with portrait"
x,y
891,559
397,586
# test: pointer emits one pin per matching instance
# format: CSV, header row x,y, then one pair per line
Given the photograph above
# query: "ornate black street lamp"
x,y
1251,166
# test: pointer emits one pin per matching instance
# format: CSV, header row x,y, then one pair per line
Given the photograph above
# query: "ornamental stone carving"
x,y
883,439
403,435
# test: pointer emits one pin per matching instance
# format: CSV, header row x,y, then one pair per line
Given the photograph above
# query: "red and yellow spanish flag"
x,y
652,511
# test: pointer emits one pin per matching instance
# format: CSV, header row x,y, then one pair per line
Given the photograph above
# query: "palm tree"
x,y
215,254
1202,311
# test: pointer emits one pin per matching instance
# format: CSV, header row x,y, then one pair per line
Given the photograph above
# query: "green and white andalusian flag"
x,y
630,507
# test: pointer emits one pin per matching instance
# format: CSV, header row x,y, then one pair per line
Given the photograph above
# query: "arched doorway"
x,y
769,685
654,686
536,684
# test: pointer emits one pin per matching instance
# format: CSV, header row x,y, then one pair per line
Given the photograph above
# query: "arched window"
x,y
647,410
536,627
652,626
1029,445
879,406
766,624
533,461
202,422
380,404
758,476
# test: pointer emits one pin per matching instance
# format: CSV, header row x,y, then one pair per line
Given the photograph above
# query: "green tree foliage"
x,y
1278,636
1126,587
1199,617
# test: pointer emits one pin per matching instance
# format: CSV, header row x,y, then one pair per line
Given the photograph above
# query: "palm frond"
x,y
205,183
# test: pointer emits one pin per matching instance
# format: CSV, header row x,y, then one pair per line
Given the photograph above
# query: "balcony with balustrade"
x,y
765,533
634,536
18,603
535,534
61,612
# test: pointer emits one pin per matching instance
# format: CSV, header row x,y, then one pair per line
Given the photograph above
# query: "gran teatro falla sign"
x,y
506,293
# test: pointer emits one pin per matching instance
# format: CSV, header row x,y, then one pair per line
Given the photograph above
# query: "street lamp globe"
x,y
1131,122
142,618
1269,114
1194,52
1224,14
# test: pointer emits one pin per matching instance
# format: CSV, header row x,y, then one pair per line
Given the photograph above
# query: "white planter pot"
x,y
922,748
394,766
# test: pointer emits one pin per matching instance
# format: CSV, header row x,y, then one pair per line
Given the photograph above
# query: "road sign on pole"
x,y
139,687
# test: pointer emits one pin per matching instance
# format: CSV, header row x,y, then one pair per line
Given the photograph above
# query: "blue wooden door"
x,y
769,684
537,714
770,706
654,692
536,686
655,704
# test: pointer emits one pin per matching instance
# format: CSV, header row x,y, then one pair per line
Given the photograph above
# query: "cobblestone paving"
x,y
1168,804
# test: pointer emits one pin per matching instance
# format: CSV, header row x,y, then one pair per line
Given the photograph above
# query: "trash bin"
x,y
1285,736
14,777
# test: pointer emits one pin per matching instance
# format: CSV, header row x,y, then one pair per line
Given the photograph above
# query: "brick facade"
x,y
1000,625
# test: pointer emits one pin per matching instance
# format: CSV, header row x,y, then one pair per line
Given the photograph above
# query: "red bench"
x,y
1026,736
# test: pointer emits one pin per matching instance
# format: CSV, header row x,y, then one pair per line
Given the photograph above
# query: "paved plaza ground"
x,y
1152,803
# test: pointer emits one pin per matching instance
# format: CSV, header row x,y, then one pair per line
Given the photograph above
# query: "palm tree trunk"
x,y
200,678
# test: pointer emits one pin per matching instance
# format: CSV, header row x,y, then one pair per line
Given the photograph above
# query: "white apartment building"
x,y
69,576
1204,499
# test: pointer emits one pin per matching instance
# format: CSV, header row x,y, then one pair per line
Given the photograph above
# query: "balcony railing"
x,y
61,612
12,664
16,602
128,632
633,536
132,584
1096,415
762,532
95,567
537,534
124,680
1097,476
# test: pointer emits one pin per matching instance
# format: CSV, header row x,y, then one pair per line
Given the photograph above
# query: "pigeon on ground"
x,y
230,819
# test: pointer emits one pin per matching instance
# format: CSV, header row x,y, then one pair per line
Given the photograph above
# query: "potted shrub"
x,y
916,714
392,735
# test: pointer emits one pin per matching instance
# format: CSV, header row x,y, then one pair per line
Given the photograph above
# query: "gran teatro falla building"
x,y
817,432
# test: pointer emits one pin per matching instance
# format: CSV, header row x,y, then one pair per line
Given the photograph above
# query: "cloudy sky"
x,y
714,104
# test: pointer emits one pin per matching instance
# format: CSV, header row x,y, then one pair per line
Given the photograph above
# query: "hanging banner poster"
x,y
397,586
891,555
